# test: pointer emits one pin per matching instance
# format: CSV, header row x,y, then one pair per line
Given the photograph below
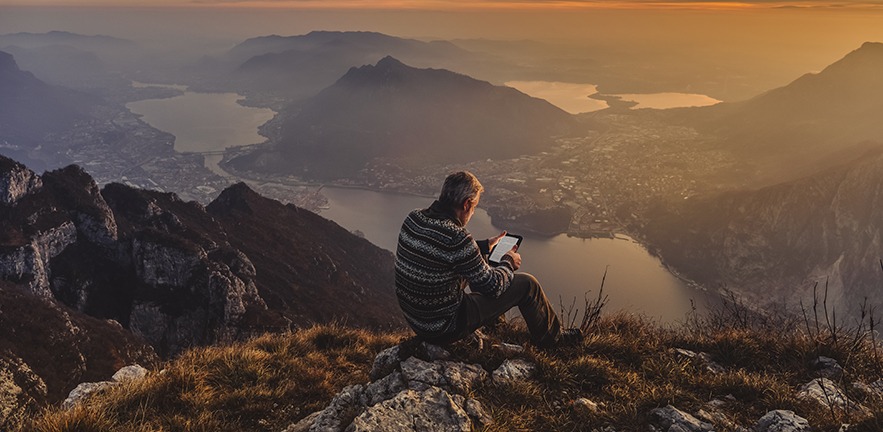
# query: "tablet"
x,y
505,244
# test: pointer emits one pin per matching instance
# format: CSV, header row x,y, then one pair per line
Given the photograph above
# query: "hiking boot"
x,y
569,337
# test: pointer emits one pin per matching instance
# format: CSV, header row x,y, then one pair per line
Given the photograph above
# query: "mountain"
x,y
818,120
411,116
92,280
169,271
30,109
47,349
306,265
773,244
298,67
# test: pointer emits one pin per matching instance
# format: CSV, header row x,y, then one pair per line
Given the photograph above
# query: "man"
x,y
437,258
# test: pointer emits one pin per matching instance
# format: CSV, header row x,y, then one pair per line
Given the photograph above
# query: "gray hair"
x,y
459,187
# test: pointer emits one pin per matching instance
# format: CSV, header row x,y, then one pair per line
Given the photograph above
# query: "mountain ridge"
x,y
410,115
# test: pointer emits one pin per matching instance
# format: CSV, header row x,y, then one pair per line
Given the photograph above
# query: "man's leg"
x,y
524,292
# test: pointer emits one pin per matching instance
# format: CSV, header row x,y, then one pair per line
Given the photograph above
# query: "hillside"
x,y
730,372
118,273
819,120
825,228
410,116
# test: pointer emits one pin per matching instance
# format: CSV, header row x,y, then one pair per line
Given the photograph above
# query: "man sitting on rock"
x,y
437,258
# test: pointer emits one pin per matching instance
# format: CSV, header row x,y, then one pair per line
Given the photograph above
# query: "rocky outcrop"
x,y
16,181
413,395
30,263
781,421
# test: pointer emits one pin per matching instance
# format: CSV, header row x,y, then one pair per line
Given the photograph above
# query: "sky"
x,y
426,5
776,40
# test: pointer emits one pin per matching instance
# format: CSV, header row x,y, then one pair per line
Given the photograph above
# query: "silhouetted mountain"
x,y
308,266
300,66
30,108
776,242
170,272
412,116
820,119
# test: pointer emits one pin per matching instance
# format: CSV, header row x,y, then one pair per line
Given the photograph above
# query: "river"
x,y
569,268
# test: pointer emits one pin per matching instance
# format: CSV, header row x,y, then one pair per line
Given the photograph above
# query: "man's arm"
x,y
482,278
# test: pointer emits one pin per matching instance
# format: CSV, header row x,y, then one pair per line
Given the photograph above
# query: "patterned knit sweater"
x,y
436,259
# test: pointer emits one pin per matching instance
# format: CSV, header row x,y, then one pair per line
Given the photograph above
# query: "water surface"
x,y
567,267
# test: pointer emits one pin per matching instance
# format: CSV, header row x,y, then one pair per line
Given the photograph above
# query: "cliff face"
x,y
775,243
178,275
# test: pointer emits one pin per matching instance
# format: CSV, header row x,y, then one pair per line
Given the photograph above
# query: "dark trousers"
x,y
525,292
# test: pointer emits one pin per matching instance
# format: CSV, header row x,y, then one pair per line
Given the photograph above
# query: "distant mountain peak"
x,y
390,61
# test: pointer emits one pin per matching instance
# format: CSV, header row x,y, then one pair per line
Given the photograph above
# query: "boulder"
x,y
85,391
671,419
432,409
826,367
129,373
513,370
826,393
385,362
781,421
459,377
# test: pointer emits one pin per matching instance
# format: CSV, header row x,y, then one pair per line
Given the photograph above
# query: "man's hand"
x,y
516,258
491,242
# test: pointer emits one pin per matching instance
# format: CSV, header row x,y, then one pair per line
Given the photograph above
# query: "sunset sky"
x,y
461,4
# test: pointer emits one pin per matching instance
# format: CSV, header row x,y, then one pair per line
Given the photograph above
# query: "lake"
x,y
204,122
567,267
574,98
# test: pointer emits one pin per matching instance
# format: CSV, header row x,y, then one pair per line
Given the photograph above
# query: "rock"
x,y
304,424
586,406
386,388
513,370
85,391
509,349
434,352
826,393
339,412
430,410
826,367
129,373
672,419
16,181
477,413
703,359
31,261
781,421
459,377
385,362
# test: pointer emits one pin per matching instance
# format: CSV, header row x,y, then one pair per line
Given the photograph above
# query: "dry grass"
x,y
263,384
626,365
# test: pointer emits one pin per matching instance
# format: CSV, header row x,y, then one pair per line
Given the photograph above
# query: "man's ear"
x,y
467,204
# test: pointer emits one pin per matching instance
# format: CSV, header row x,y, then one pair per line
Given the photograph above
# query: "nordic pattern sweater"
x,y
436,259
